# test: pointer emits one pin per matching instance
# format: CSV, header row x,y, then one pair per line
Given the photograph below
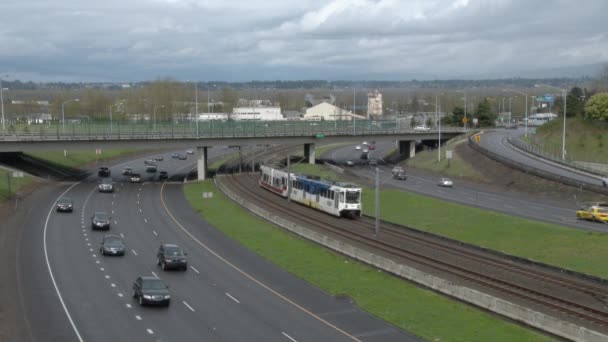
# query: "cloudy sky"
x,y
131,40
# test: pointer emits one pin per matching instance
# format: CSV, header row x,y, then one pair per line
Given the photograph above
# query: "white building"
x,y
257,113
374,103
326,111
212,116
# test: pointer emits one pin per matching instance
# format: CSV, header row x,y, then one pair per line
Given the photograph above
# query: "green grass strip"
x,y
422,312
76,158
15,183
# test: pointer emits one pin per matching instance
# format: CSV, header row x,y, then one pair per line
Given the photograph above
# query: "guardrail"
x,y
207,129
535,171
537,151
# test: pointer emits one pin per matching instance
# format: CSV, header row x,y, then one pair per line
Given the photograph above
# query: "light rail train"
x,y
335,198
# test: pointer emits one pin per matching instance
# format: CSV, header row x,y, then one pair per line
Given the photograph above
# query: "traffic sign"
x,y
477,138
17,174
465,120
448,154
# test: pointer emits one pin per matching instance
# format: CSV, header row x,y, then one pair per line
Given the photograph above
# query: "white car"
x,y
350,163
358,147
446,182
421,129
365,150
189,151
397,169
365,143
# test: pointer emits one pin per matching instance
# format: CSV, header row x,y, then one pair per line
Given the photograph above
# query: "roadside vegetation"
x,y
457,167
77,158
561,246
419,311
15,183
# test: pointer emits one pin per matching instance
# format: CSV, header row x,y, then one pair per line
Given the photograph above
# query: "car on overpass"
x,y
446,183
151,290
421,128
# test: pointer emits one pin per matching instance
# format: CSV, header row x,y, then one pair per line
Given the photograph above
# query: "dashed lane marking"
x,y
195,270
188,306
154,274
150,331
138,317
234,299
146,220
154,232
120,295
128,306
122,235
134,252
289,337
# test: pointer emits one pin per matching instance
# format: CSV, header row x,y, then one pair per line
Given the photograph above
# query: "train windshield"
x,y
353,196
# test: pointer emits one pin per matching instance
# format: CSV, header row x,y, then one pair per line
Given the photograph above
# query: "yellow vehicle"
x,y
596,212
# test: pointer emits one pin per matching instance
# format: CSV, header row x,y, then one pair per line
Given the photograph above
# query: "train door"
x,y
335,194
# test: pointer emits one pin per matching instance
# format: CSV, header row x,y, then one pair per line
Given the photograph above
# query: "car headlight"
x,y
147,297
167,297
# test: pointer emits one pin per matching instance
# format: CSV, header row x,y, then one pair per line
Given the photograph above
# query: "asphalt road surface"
x,y
69,292
467,193
495,141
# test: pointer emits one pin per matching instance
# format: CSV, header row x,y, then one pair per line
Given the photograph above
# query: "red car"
x,y
371,147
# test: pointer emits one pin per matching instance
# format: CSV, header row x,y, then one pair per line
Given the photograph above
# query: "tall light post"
x,y
465,108
63,114
526,96
154,117
565,97
196,106
2,103
438,119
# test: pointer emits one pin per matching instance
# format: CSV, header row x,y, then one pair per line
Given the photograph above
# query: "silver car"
x,y
446,182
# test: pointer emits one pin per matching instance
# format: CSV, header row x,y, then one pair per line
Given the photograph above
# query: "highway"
x,y
495,141
69,292
557,211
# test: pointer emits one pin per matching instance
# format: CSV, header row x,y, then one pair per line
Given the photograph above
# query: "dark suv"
x,y
163,175
100,220
171,256
104,171
151,290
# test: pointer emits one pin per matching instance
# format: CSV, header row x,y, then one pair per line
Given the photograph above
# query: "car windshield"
x,y
352,196
176,251
602,210
112,241
65,200
101,216
153,284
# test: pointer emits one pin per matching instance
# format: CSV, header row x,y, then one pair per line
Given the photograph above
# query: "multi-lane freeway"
x,y
69,292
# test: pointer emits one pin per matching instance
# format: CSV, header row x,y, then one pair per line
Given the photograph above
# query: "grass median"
x,y
422,312
76,158
16,183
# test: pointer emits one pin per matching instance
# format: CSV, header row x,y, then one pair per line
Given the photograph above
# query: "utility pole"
x,y
196,106
377,223
2,105
288,180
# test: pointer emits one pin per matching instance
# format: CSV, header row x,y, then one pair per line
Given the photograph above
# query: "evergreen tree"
x,y
575,105
485,115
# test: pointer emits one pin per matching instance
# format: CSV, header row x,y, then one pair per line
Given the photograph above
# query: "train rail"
x,y
583,300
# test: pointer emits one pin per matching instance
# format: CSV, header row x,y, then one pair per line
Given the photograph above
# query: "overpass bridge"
x,y
210,133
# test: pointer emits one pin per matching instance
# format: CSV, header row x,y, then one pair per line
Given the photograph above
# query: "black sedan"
x,y
163,175
104,172
151,290
159,158
65,204
171,256
127,171
101,221
112,245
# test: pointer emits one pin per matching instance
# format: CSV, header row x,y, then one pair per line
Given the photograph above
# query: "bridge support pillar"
x,y
309,152
202,162
407,148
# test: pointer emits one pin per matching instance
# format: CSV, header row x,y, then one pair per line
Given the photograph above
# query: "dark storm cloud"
x,y
339,39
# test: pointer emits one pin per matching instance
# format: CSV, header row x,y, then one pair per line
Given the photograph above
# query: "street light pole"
x,y
565,97
154,117
526,96
63,114
465,108
2,104
439,124
196,106
111,118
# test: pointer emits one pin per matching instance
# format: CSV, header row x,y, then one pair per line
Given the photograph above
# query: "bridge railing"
x,y
207,129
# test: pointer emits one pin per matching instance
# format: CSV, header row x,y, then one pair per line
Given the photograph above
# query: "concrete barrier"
x,y
334,167
486,301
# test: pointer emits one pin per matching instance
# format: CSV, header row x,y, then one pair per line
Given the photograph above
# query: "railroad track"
x,y
576,297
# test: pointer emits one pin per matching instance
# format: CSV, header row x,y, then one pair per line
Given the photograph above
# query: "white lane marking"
x,y
83,227
150,331
114,195
97,261
195,270
154,274
137,202
154,232
88,244
48,265
85,234
102,269
94,255
112,202
86,239
115,222
120,295
112,211
247,275
234,299
188,306
129,306
122,235
107,276
145,220
140,210
137,317
134,252
289,337
113,285
90,249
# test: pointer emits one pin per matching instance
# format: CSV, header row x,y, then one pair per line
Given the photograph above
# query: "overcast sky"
x,y
131,40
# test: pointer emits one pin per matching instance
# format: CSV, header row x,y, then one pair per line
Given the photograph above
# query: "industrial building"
x,y
326,111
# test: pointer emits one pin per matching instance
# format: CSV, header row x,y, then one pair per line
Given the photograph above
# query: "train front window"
x,y
352,196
